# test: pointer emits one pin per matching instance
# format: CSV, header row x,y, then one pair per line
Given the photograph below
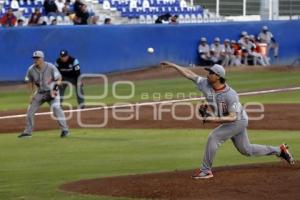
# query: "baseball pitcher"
x,y
229,113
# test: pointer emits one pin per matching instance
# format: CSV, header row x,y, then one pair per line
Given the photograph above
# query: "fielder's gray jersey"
x,y
218,49
249,46
227,49
265,37
43,79
203,49
222,102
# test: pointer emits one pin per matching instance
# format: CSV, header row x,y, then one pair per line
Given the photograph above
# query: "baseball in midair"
x,y
150,50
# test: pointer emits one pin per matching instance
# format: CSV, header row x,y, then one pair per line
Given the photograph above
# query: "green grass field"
x,y
33,169
150,90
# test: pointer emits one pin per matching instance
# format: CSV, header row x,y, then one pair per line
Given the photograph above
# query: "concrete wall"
x,y
102,49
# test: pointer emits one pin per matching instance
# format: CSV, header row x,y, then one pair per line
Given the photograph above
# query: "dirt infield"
x,y
276,117
264,181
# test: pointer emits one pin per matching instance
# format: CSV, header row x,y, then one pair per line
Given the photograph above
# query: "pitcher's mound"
x,y
259,181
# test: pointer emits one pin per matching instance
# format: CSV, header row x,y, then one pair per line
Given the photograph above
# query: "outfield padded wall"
x,y
102,49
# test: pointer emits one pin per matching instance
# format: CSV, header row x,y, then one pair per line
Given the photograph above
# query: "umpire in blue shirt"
x,y
70,71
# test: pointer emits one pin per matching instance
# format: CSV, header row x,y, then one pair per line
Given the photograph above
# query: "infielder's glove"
x,y
47,96
51,94
203,112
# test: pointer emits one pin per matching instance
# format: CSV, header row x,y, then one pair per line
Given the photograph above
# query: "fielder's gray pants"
x,y
55,108
237,132
275,49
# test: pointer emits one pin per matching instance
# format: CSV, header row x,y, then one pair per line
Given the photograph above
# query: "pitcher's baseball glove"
x,y
203,111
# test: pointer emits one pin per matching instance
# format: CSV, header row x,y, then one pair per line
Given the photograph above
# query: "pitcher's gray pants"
x,y
55,108
237,132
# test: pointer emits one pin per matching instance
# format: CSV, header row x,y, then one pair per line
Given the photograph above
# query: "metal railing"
x,y
265,9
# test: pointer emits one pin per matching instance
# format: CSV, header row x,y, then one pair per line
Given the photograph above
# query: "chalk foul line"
x,y
154,102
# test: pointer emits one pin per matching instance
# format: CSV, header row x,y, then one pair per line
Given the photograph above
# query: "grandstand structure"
x,y
125,11
147,11
262,9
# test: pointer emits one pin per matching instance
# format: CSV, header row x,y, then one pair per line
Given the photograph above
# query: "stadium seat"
x,y
142,19
106,5
199,18
193,18
149,19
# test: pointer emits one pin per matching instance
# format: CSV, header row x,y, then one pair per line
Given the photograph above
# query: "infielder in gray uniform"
x,y
43,79
228,111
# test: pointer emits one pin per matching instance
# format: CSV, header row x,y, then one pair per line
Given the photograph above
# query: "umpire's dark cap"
x,y
63,53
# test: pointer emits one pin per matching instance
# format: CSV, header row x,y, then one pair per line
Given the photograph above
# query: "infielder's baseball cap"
x,y
217,69
38,54
265,28
63,53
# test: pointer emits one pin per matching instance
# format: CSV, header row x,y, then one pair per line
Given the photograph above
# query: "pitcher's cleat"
x,y
202,175
64,134
24,135
286,155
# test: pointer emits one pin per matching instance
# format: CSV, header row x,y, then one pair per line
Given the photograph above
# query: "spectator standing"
x,y
69,68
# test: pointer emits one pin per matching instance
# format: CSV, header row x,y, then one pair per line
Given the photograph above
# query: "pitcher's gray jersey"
x,y
222,102
43,79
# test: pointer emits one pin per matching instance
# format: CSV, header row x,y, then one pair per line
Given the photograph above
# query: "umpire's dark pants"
x,y
78,89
